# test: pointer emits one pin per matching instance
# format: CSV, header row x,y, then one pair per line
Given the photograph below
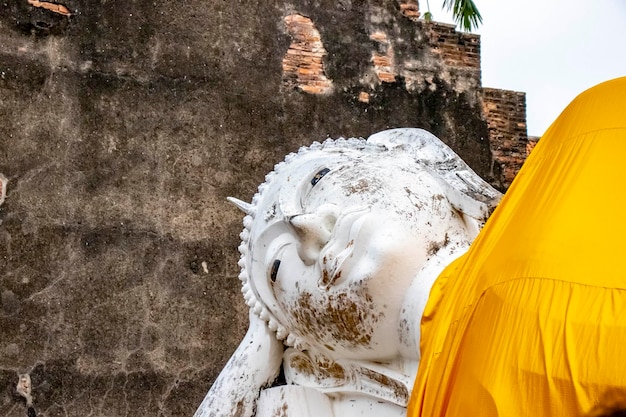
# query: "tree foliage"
x,y
465,13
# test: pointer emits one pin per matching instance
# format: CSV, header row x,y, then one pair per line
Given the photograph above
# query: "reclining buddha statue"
x,y
372,292
340,248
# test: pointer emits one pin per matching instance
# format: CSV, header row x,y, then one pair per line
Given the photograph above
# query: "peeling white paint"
x,y
24,388
3,188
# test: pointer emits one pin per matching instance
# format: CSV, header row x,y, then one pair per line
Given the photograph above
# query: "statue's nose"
x,y
314,230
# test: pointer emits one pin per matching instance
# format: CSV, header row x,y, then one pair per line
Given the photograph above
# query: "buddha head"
x,y
340,230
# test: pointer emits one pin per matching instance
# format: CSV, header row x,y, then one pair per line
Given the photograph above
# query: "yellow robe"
x,y
532,320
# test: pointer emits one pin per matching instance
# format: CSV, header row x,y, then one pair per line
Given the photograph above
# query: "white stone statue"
x,y
340,248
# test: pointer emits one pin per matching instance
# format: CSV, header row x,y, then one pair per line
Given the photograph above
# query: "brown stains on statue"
x,y
341,318
398,389
321,369
303,66
239,409
328,278
302,364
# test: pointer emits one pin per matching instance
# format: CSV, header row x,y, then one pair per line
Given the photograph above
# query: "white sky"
x,y
550,49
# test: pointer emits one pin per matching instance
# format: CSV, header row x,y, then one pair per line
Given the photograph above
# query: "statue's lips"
x,y
341,245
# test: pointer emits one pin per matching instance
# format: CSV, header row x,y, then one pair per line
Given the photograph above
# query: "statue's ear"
x,y
464,189
254,365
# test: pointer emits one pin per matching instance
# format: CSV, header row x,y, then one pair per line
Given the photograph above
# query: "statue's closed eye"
x,y
317,177
274,270
273,261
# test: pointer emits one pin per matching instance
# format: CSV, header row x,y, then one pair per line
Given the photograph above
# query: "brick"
x,y
505,113
303,64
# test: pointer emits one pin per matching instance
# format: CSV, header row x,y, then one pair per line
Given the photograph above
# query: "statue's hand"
x,y
254,365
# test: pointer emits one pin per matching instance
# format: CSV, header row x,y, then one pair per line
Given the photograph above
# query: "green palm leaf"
x,y
465,13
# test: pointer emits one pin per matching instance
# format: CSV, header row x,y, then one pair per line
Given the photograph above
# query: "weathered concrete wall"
x,y
123,128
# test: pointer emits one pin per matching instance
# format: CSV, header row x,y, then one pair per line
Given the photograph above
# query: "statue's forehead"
x,y
295,180
285,194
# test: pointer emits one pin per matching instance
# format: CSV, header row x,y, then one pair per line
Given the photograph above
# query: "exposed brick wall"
x,y
532,142
457,49
505,112
410,9
438,51
442,53
303,65
383,58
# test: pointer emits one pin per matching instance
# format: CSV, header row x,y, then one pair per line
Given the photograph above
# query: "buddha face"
x,y
338,238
